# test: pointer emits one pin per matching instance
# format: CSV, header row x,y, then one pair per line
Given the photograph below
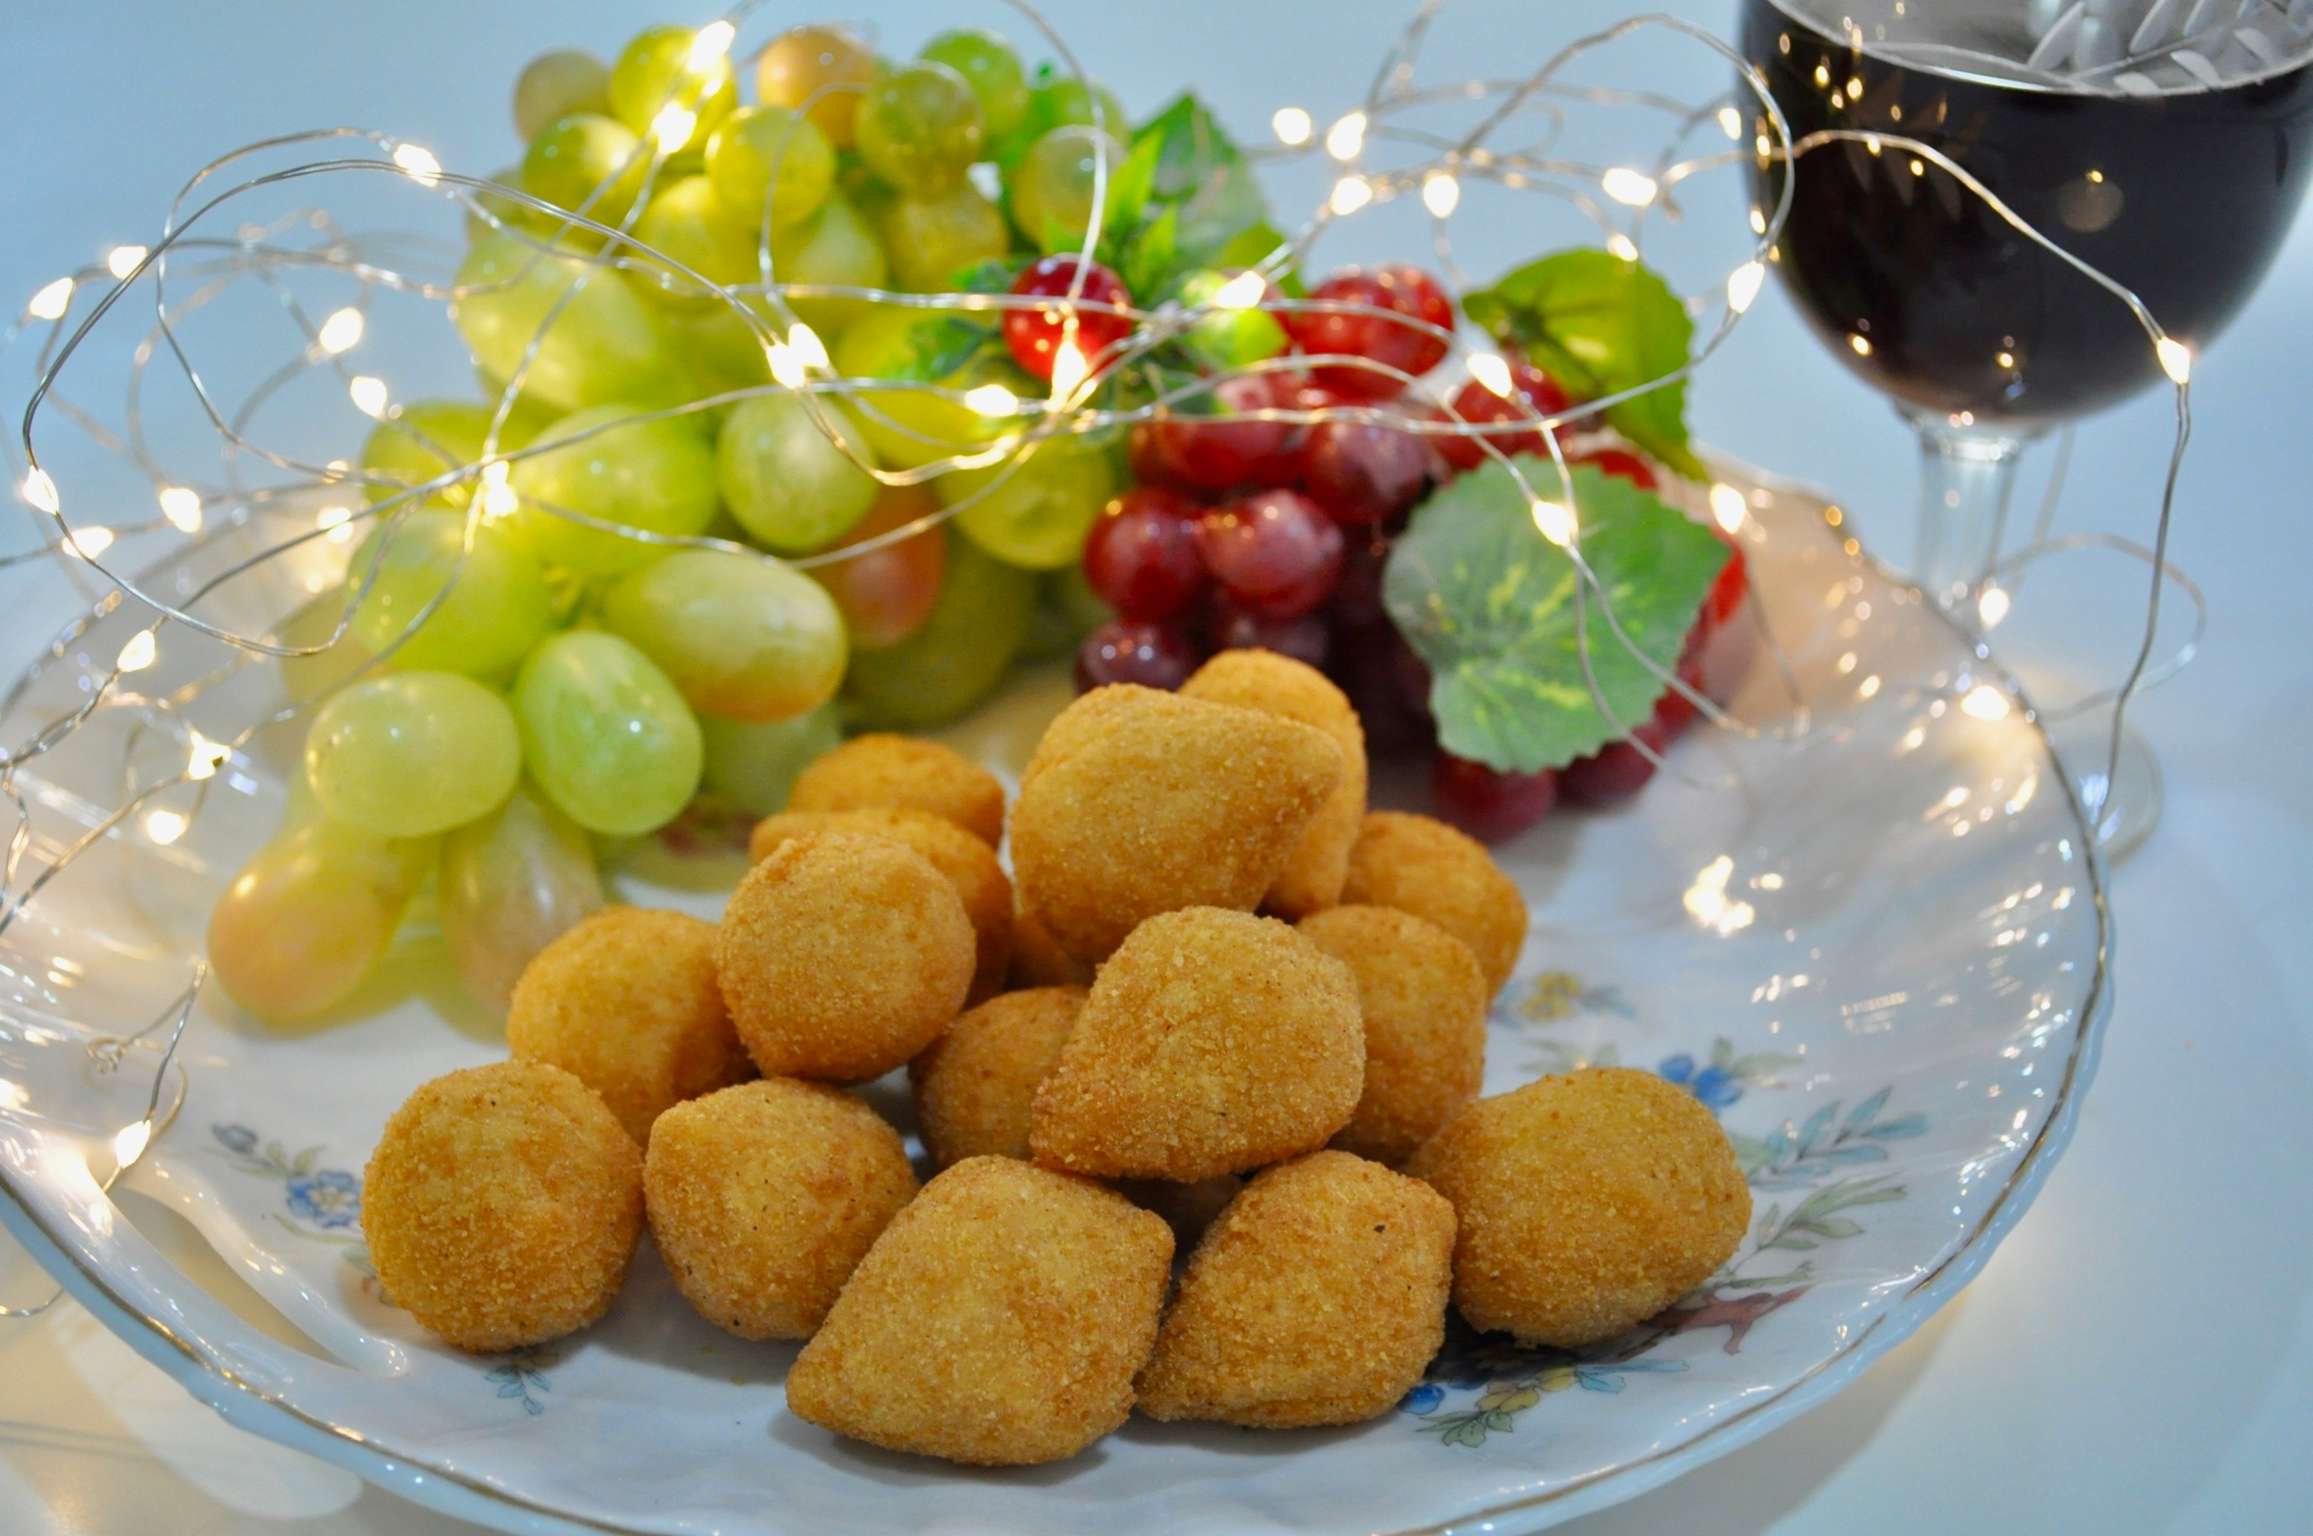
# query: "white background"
x,y
2139,1356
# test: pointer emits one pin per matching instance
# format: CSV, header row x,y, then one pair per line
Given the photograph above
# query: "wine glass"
x,y
2167,143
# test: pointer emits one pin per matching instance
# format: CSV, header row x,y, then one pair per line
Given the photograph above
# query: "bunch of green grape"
x,y
537,663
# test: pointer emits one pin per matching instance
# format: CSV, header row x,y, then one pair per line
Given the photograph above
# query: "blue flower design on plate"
x,y
1422,1399
329,1198
235,1138
1715,1086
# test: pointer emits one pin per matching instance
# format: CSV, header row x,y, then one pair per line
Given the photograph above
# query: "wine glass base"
x,y
2123,812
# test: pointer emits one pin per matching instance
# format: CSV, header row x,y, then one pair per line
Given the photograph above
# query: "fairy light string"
x,y
188,266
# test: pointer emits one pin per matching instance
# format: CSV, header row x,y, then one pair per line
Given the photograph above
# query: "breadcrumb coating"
x,y
1212,1042
1255,679
969,864
502,1205
881,769
1037,958
841,956
998,1321
1138,802
1317,1297
974,1085
1424,1002
763,1198
1588,1203
1420,865
627,1002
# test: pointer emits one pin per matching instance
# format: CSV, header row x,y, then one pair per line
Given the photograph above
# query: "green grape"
x,y
920,127
1066,607
604,344
494,612
826,62
790,488
510,884
684,222
308,917
899,344
1227,339
1064,99
309,679
959,655
1037,513
426,439
506,210
739,635
719,349
991,69
409,754
589,164
657,476
1052,186
557,84
752,144
932,236
657,72
752,764
605,735
836,246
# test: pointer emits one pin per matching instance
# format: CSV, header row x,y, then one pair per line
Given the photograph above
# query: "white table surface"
x,y
2139,1355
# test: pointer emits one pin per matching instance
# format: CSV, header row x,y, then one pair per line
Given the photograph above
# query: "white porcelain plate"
x,y
1877,949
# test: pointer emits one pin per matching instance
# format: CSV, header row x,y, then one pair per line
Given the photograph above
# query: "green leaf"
x,y
1152,253
1251,246
1834,1226
1227,339
1134,185
1600,325
1196,173
1489,604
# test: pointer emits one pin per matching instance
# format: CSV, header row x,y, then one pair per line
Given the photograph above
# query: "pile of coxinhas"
x,y
1248,1018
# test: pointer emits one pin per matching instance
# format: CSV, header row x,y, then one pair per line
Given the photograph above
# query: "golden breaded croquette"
x,y
1317,1297
502,1205
998,1321
1138,802
974,1084
881,769
627,1003
1424,1002
1212,1042
1037,958
1588,1203
1263,680
841,956
969,864
1420,865
764,1198
1187,1208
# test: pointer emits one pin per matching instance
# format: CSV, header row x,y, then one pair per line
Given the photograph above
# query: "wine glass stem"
x,y
1967,474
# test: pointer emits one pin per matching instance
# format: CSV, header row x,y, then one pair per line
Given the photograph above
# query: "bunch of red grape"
x,y
1250,532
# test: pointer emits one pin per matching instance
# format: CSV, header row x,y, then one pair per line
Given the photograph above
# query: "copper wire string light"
x,y
198,255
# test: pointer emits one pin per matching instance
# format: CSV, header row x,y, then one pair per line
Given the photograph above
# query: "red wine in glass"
x,y
2166,144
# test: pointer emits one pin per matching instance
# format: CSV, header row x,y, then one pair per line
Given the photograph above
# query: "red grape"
x,y
1357,590
1377,669
1035,334
1360,472
1398,289
1618,461
888,593
1231,628
1728,592
1490,805
1134,651
1619,770
1214,453
1533,393
1276,552
1141,556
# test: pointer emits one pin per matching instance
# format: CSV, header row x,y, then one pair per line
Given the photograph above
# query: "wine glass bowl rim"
x,y
1795,11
